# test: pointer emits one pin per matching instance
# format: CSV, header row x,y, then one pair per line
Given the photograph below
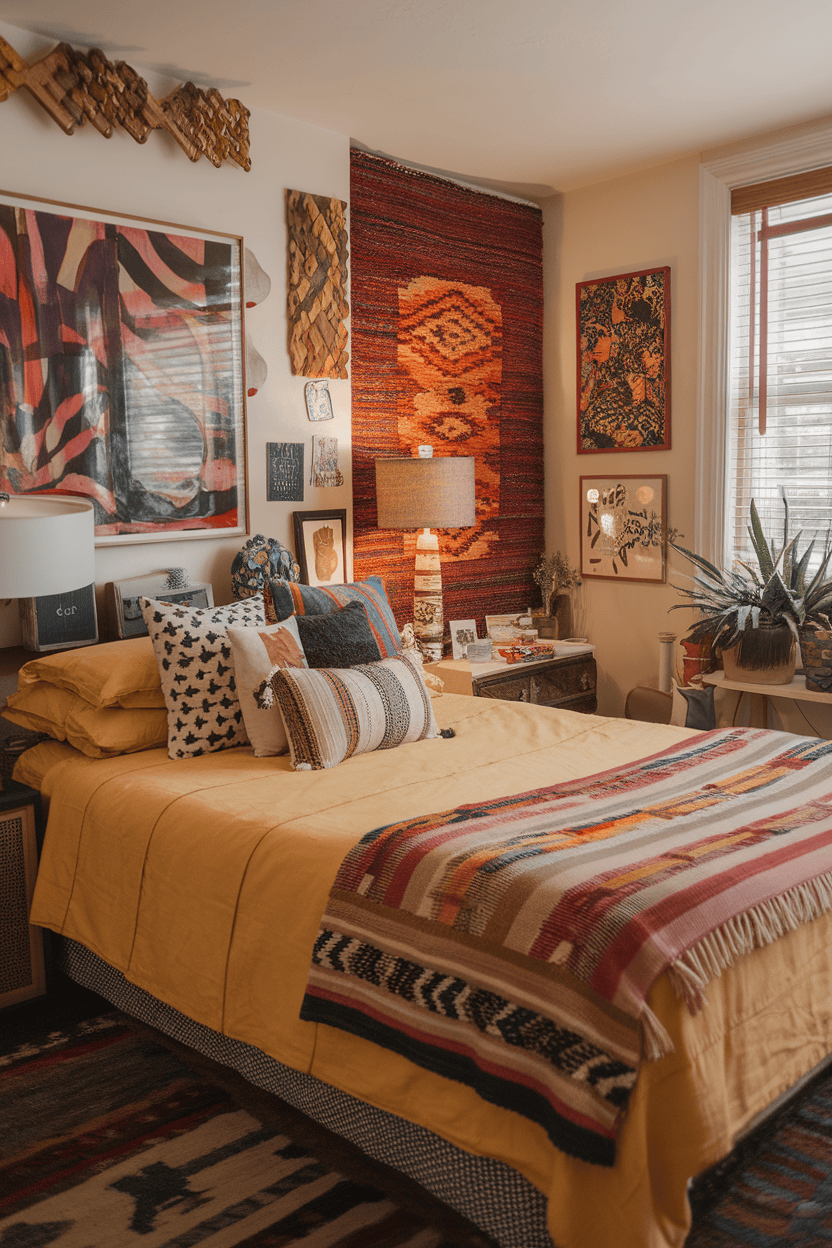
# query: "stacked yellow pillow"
x,y
104,700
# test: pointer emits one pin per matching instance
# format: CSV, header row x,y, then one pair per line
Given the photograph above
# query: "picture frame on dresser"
x,y
137,352
462,632
121,614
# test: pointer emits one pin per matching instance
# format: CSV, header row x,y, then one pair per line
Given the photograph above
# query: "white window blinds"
x,y
780,401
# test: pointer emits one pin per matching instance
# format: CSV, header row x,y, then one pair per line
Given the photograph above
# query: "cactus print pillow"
x,y
194,657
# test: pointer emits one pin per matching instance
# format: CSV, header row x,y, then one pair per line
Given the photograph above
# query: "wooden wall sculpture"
x,y
317,298
75,87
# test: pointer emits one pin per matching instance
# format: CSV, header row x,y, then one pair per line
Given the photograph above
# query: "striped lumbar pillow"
x,y
332,713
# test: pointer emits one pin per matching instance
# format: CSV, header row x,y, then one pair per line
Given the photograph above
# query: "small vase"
x,y
816,651
546,625
562,611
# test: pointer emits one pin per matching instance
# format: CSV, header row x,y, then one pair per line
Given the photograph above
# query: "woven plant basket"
x,y
816,651
763,656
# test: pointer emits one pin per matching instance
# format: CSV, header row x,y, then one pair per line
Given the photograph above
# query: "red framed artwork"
x,y
623,332
121,369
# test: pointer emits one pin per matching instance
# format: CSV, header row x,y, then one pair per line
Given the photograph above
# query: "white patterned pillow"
x,y
256,652
194,657
332,713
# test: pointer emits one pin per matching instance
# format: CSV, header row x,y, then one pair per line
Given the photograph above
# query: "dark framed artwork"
x,y
623,333
121,369
320,546
623,527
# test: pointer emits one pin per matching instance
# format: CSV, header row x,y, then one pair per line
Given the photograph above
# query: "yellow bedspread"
x,y
203,881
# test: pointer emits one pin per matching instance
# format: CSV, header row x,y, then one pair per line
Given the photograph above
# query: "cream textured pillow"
x,y
255,652
194,657
332,713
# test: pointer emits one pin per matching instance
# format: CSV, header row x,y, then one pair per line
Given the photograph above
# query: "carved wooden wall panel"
x,y
75,87
317,298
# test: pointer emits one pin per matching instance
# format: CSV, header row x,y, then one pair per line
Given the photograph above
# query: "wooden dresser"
x,y
566,681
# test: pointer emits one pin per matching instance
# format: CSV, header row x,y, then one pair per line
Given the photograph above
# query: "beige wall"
x,y
641,221
157,181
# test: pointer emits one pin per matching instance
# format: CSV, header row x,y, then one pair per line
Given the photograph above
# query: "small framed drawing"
x,y
318,400
623,527
320,546
462,631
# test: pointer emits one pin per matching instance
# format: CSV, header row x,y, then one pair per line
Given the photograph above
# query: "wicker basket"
x,y
816,652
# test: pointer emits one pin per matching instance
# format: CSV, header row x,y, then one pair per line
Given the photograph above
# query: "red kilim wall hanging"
x,y
447,310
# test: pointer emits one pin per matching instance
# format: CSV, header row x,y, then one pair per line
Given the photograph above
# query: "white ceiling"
x,y
533,95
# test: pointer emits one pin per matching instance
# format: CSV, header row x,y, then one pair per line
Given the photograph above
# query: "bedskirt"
x,y
495,1198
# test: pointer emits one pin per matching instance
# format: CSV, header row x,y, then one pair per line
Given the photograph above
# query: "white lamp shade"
x,y
47,545
427,493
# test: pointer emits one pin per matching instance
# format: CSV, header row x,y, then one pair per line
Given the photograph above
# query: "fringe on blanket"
x,y
759,926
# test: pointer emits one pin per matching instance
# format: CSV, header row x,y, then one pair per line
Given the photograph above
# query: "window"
x,y
779,429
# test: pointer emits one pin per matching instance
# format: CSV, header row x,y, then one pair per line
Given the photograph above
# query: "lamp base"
x,y
428,617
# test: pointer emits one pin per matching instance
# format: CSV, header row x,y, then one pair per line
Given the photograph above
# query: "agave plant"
x,y
811,599
778,593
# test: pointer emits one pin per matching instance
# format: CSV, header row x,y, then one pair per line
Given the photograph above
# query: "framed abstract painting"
x,y
623,335
623,527
121,369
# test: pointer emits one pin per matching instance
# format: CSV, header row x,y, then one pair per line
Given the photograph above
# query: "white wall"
x,y
157,181
642,221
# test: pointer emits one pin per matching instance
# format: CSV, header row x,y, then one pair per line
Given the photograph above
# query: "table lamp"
x,y
47,550
424,493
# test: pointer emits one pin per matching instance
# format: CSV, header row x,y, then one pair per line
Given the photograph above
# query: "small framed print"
x,y
623,527
462,631
503,621
122,616
318,400
320,546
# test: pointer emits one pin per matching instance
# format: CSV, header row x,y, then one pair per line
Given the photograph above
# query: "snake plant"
x,y
778,593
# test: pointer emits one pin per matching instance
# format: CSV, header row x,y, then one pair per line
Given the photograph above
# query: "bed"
x,y
189,891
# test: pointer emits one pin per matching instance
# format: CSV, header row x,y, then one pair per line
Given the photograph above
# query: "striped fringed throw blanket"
x,y
511,945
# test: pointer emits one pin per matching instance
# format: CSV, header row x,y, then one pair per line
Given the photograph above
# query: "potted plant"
x,y
555,578
755,615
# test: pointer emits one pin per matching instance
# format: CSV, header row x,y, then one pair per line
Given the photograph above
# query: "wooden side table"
x,y
22,963
567,681
796,691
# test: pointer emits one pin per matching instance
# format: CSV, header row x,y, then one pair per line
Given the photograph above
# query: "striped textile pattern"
x,y
289,597
331,714
511,945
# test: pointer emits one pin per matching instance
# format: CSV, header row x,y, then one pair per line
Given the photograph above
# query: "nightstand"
x,y
22,964
567,681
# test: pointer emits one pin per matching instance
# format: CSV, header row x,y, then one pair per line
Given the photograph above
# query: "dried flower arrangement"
x,y
553,574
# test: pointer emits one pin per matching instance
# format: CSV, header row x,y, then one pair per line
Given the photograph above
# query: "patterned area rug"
x,y
447,299
775,1190
109,1140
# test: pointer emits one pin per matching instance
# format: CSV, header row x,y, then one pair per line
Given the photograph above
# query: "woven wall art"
x,y
447,299
75,87
317,285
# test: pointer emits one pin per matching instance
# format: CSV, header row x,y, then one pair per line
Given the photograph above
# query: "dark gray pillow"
x,y
693,708
340,638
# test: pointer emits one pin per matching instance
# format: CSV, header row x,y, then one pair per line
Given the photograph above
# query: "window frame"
x,y
794,151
